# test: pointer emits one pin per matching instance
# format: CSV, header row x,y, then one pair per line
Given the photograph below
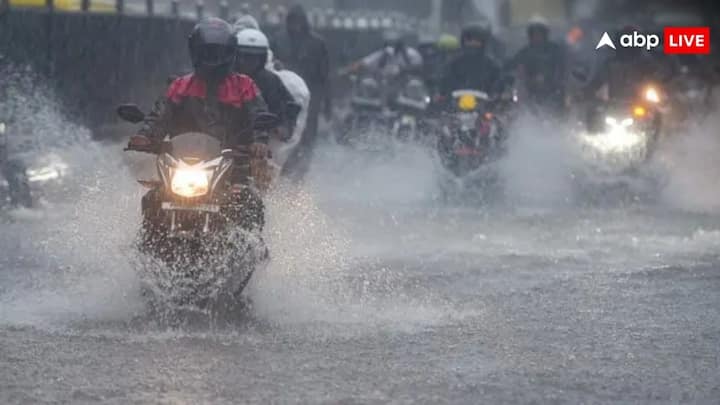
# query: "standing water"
x,y
377,291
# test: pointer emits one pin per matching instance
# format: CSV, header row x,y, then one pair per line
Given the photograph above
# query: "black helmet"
x,y
478,32
538,24
212,48
394,39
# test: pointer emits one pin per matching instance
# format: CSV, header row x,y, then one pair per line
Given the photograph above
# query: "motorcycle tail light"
x,y
484,128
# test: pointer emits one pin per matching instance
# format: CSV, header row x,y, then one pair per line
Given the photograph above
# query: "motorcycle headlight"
x,y
51,171
652,95
467,102
619,137
42,174
613,122
190,182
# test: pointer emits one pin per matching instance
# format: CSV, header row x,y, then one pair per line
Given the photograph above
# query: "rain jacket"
x,y
275,94
187,107
301,94
472,69
306,54
542,70
388,63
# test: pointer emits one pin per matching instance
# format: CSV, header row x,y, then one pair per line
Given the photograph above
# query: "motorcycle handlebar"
x,y
154,148
242,152
138,149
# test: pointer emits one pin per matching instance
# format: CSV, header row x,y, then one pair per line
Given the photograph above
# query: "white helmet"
x,y
244,21
253,41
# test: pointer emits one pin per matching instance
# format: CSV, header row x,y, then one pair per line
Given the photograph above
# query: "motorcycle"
x,y
616,148
471,133
470,141
409,111
622,134
203,233
368,116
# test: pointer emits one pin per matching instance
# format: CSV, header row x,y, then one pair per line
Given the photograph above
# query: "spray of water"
x,y
692,160
317,274
536,171
84,243
400,174
79,235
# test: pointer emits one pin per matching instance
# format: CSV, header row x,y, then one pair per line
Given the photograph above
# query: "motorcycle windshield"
x,y
195,146
480,95
470,100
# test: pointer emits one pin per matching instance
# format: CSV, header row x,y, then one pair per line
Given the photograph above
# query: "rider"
x,y
627,70
213,100
622,77
436,52
542,67
394,60
252,56
298,90
472,68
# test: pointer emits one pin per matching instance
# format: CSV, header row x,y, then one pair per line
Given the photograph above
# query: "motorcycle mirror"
x,y
130,113
266,121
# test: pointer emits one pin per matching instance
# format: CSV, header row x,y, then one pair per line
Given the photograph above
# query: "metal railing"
x,y
266,15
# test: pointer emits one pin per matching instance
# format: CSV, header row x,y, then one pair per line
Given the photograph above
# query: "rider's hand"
x,y
259,150
139,141
281,133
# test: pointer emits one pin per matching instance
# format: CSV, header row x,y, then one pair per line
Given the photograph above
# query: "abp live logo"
x,y
676,40
686,40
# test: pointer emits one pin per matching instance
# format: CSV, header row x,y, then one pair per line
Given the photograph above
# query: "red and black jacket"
x,y
228,114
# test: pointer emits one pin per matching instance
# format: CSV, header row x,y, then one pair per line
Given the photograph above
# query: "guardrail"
x,y
99,53
266,15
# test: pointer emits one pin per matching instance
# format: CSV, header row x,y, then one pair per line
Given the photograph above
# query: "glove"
x,y
282,133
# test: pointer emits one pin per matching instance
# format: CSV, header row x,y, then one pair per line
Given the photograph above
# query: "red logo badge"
x,y
687,40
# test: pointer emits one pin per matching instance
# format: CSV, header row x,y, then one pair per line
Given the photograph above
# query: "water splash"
x,y
692,159
400,174
79,247
537,169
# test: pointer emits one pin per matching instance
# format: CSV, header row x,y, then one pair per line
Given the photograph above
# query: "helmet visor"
x,y
250,62
215,55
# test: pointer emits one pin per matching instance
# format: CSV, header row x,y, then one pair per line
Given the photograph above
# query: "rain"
x,y
358,201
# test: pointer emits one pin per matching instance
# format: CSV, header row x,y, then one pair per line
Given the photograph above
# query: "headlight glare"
x,y
190,182
652,95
